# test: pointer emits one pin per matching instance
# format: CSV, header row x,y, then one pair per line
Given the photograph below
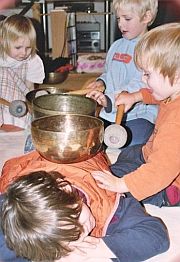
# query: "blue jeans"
x,y
138,130
28,145
128,161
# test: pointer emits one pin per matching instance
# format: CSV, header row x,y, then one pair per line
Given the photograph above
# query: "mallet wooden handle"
x,y
4,102
119,114
85,91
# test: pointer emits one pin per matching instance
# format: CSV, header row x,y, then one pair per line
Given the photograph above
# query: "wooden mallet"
x,y
17,108
115,136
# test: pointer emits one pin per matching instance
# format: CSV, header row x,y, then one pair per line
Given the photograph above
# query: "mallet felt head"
x,y
18,108
115,136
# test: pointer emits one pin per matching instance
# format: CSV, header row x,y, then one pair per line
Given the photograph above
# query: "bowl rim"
x,y
44,118
35,106
53,81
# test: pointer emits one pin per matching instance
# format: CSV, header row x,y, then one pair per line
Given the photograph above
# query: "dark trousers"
x,y
129,160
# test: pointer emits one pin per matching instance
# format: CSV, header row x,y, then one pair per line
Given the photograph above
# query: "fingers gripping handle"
x,y
119,114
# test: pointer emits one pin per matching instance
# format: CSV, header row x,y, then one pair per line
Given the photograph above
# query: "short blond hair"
x,y
14,27
160,49
138,6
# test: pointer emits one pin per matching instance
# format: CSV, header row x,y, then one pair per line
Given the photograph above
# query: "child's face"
x,y
159,85
20,49
129,24
87,220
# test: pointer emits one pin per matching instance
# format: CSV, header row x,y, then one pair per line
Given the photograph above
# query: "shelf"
x,y
106,13
93,13
75,1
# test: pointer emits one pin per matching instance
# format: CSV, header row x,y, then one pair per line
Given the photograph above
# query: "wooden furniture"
x,y
74,81
106,13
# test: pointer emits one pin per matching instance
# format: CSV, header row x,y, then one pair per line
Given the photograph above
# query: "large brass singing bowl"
x,y
67,138
55,104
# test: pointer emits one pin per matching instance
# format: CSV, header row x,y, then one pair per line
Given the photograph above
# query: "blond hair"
x,y
138,6
40,217
14,27
160,49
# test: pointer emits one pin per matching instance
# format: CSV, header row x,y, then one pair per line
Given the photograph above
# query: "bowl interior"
x,y
54,104
30,96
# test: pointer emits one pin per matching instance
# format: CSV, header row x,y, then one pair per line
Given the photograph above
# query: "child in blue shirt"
x,y
121,74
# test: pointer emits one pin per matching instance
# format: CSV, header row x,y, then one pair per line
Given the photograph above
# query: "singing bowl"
x,y
55,104
67,138
30,96
56,77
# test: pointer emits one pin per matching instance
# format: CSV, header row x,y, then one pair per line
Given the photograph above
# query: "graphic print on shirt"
x,y
122,57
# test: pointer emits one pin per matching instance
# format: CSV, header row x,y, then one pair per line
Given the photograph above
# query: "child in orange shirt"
x,y
151,172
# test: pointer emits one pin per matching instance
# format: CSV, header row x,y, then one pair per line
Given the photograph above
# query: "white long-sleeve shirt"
x,y
14,76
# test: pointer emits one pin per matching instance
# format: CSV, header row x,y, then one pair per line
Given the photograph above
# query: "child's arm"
x,y
136,236
108,181
35,71
91,249
139,236
96,84
99,97
129,99
147,97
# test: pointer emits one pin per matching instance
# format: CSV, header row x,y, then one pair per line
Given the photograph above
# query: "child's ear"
x,y
147,17
64,186
68,188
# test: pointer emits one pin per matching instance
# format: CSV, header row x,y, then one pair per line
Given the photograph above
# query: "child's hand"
x,y
95,84
90,250
83,244
127,99
98,96
81,250
106,180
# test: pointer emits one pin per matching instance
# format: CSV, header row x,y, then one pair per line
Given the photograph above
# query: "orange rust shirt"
x,y
161,152
103,203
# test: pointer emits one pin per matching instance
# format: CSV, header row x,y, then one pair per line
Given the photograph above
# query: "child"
x,y
20,67
153,169
44,218
121,74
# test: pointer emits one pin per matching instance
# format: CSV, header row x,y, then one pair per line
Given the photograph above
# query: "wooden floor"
x,y
74,81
